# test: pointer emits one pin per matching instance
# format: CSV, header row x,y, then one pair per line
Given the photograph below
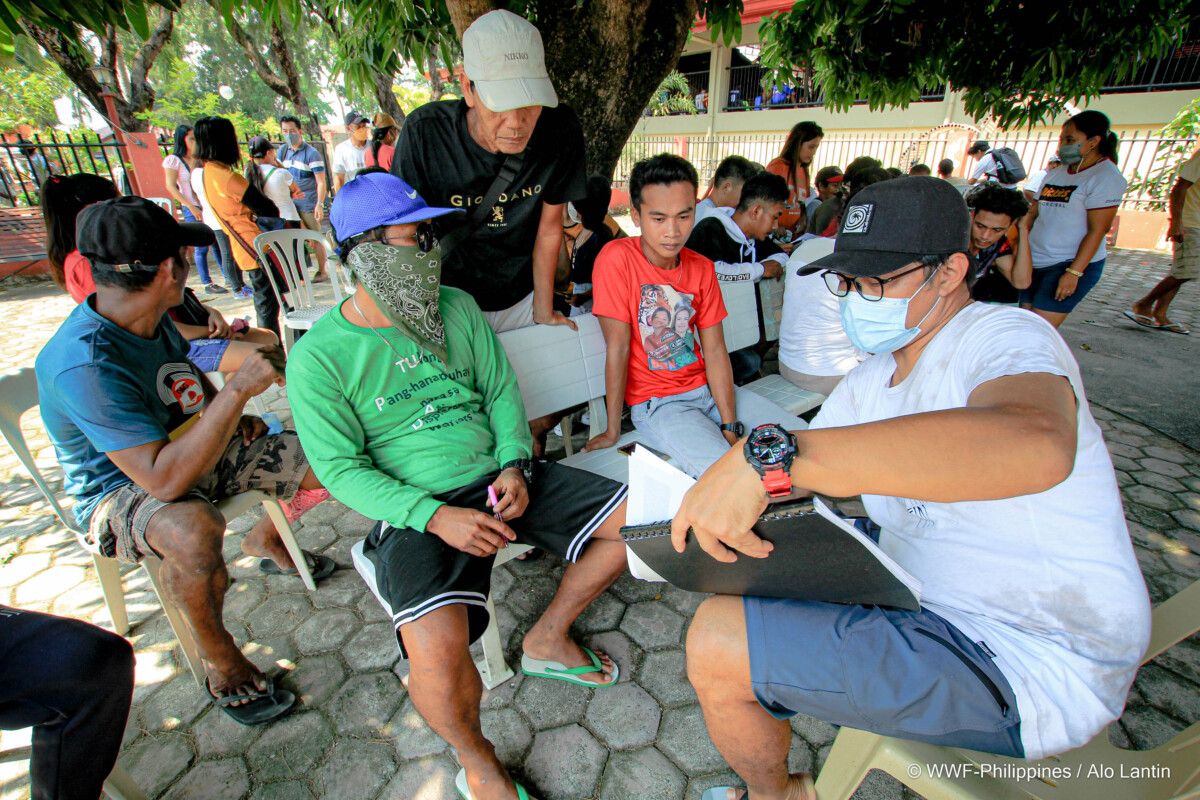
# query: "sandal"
x,y
320,566
264,706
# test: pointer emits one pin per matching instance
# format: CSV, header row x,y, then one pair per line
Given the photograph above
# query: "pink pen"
x,y
494,501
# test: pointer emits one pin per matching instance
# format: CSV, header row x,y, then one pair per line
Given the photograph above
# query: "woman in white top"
x,y
177,171
1072,214
273,179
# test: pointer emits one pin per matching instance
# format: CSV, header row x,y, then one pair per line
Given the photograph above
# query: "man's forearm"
x,y
720,384
938,456
183,462
545,261
616,373
321,190
1022,272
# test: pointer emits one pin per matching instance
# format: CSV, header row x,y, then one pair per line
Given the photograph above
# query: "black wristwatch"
x,y
523,464
738,429
771,450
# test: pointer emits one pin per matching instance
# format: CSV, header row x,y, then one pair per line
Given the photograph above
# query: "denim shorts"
x,y
1045,281
207,353
906,674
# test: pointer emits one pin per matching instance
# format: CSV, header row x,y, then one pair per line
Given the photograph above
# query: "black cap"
x,y
356,116
980,146
893,223
132,233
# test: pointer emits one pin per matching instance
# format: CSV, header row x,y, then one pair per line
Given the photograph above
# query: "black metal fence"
x,y
25,164
750,90
1179,69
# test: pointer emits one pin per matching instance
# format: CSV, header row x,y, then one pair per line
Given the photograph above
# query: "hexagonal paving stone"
x,y
653,625
370,610
645,774
423,779
315,679
620,649
326,630
341,589
48,584
1154,498
816,732
683,601
548,703
683,737
1167,468
1118,449
226,779
290,747
508,732
176,705
279,614
364,703
1171,454
504,694
800,756
623,716
565,763
1170,693
530,594
664,675
1125,464
156,761
604,614
373,647
1148,478
630,590
355,769
352,524
1188,518
283,790
410,735
502,583
217,734
271,655
315,537
1148,727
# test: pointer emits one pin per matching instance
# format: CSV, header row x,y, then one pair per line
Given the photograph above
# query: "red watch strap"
x,y
777,482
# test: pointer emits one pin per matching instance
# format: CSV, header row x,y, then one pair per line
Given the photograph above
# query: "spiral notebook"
x,y
817,556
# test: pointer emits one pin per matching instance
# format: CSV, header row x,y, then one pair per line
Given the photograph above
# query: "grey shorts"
x,y
272,464
910,675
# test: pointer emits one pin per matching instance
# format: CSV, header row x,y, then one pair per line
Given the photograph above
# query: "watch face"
x,y
770,446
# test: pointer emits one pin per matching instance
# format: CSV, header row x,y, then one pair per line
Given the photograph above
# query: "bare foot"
x,y
568,653
263,542
234,675
800,786
1142,309
491,784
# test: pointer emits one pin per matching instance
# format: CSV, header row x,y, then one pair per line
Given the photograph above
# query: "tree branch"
x,y
262,68
141,92
464,12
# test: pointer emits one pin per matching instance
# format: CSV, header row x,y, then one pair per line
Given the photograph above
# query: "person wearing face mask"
x,y
1073,212
308,169
969,437
414,417
351,155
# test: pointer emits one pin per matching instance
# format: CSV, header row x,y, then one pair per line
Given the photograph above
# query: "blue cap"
x,y
378,198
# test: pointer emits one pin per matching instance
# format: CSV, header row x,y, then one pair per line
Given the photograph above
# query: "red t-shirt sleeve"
x,y
712,307
610,285
77,274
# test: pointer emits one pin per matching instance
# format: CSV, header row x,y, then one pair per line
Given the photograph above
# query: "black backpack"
x,y
1009,168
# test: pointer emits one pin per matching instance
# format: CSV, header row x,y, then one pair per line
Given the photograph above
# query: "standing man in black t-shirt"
x,y
451,153
1000,270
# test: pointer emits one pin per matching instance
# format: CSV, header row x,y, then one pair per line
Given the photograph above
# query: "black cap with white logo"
x,y
132,233
891,224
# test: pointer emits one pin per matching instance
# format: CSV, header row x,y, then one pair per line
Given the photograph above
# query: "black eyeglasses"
x,y
867,288
426,238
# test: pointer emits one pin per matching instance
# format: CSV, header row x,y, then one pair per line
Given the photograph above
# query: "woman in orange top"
x,y
793,165
235,203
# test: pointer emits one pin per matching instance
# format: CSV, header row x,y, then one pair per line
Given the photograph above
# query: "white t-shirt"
x,y
1190,171
1063,202
1033,183
1048,582
348,159
812,340
184,183
987,168
207,217
277,182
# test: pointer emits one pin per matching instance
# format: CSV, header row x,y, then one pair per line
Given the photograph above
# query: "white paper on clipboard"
x,y
656,491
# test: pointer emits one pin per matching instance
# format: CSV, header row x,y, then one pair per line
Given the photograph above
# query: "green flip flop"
x,y
460,783
560,672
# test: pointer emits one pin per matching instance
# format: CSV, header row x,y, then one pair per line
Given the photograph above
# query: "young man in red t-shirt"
x,y
659,306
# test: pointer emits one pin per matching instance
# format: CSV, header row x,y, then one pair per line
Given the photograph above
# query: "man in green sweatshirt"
x,y
410,413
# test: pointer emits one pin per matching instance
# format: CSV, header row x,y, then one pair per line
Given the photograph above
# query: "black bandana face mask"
x,y
404,282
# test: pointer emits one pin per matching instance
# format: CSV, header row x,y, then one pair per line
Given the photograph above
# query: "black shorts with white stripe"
x,y
415,572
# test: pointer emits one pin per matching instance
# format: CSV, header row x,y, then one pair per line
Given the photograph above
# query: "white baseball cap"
x,y
503,55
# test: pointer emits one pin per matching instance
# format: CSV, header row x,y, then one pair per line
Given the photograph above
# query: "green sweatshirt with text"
x,y
384,434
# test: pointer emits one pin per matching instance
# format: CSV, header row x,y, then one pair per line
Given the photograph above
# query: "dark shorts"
x,y
207,353
1045,282
272,464
910,675
416,572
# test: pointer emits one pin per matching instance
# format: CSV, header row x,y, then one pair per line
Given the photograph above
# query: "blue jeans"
x,y
686,426
233,275
201,252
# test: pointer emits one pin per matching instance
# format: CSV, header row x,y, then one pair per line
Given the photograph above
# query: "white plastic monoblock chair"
x,y
18,394
857,752
288,248
118,785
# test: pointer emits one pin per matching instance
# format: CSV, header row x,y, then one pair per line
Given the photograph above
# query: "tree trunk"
x,y
382,83
66,51
641,41
436,85
291,79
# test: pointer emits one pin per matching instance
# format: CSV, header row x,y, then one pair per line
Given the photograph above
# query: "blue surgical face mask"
x,y
295,139
879,326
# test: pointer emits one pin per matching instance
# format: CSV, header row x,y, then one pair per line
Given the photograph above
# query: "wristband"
x,y
1075,272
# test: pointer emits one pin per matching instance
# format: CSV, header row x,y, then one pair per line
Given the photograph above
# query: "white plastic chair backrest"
x,y
288,248
18,394
741,324
166,202
550,365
